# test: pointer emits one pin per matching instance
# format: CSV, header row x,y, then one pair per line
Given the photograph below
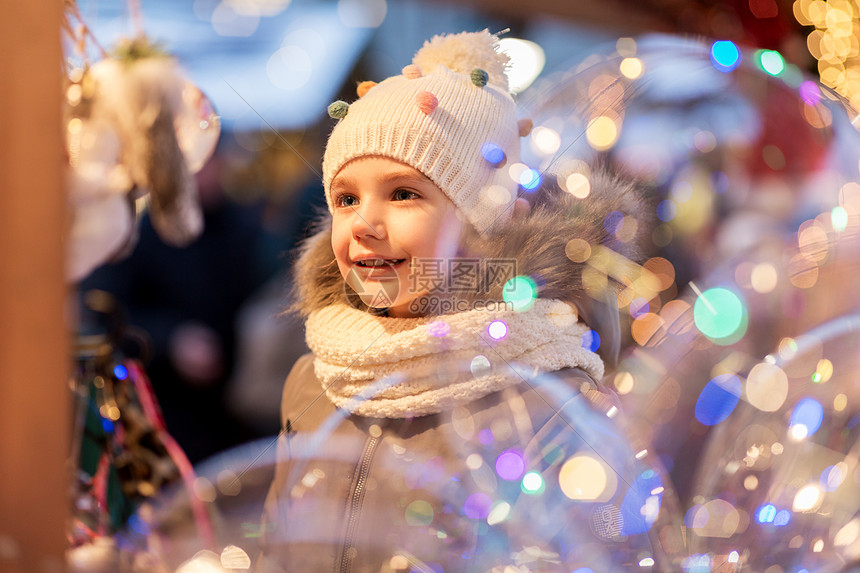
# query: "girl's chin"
x,y
378,293
396,308
385,289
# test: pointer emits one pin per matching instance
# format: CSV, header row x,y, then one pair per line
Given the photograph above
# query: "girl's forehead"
x,y
378,170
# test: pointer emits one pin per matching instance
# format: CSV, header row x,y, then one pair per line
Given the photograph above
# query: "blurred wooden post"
x,y
34,363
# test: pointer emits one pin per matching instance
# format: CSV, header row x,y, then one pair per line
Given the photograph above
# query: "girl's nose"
x,y
367,221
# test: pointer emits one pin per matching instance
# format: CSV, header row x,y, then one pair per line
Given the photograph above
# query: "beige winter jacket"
x,y
447,491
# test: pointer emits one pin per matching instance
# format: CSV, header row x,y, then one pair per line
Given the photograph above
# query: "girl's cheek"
x,y
448,237
340,247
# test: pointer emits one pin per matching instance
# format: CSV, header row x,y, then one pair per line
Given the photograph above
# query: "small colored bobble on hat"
x,y
338,109
525,126
426,101
479,77
411,72
363,88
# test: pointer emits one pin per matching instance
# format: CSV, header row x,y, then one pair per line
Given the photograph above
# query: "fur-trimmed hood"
x,y
567,245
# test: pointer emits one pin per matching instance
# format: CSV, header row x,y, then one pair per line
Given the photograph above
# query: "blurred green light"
x,y
419,512
520,292
839,219
772,62
719,313
532,483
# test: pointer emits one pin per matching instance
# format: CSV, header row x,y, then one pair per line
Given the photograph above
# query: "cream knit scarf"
x,y
398,367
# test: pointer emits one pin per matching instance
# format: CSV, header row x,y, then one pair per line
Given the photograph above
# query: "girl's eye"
x,y
346,201
405,195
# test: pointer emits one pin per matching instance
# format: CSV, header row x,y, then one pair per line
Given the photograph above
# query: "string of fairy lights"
x,y
835,43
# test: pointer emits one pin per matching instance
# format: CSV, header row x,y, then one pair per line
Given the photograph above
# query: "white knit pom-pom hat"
x,y
449,115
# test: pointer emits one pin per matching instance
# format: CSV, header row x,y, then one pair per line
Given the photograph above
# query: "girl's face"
x,y
386,215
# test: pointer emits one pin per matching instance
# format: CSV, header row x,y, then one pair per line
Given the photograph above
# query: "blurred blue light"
x,y
697,563
666,210
493,153
692,513
718,399
120,371
591,341
725,55
640,506
783,516
668,462
613,221
719,181
766,513
530,179
831,478
808,412
138,525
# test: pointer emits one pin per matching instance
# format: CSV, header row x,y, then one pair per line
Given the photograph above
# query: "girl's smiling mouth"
x,y
378,268
376,263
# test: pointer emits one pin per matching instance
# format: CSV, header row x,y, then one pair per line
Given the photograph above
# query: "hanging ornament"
x,y
102,218
95,156
136,128
139,90
198,127
101,229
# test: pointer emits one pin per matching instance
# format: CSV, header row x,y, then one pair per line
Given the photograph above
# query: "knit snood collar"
x,y
386,367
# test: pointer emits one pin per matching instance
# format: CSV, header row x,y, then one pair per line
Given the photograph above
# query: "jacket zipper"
x,y
353,507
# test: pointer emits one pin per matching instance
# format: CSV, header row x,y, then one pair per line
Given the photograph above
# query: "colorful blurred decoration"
x,y
136,129
123,456
738,145
486,492
745,309
833,42
777,483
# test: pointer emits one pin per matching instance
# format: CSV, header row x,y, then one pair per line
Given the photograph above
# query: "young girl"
x,y
421,434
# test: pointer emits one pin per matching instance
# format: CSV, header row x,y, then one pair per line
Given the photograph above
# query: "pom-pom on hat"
x,y
440,116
